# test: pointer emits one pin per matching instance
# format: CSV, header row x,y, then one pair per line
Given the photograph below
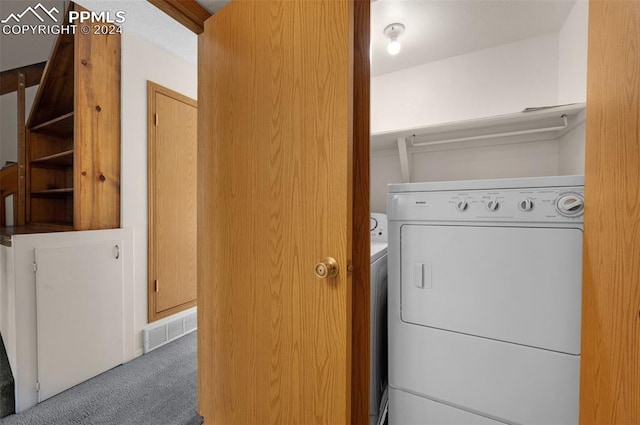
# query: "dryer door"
x,y
519,285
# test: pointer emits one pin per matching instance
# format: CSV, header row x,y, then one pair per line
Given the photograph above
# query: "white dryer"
x,y
378,321
485,289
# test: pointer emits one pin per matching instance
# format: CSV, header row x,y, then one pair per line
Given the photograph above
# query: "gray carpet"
x,y
159,388
7,393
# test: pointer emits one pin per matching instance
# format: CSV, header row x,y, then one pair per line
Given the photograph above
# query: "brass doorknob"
x,y
327,268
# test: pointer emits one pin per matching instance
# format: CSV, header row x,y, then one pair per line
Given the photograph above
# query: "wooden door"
x,y
172,202
610,367
283,125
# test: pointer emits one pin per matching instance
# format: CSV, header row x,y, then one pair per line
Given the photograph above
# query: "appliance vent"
x,y
158,334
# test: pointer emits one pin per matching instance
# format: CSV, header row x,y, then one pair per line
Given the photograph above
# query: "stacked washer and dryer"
x,y
485,288
378,322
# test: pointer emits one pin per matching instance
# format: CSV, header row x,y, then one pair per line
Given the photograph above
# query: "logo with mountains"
x,y
16,17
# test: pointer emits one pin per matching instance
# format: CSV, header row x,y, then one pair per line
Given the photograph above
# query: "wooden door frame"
x,y
361,223
152,90
609,374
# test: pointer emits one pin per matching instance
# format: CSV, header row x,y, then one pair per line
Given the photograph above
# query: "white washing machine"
x,y
378,321
485,288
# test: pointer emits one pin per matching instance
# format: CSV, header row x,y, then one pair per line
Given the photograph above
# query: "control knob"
x,y
493,204
526,204
374,224
570,205
462,205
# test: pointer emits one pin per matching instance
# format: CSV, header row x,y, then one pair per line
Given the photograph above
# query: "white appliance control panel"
x,y
379,227
555,204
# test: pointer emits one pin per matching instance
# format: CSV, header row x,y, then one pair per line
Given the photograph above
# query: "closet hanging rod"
x,y
490,136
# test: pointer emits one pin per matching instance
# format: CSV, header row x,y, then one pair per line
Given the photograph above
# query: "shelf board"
x,y
35,228
53,192
61,126
62,159
483,127
62,226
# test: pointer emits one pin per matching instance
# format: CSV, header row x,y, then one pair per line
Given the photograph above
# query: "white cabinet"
x,y
80,313
71,312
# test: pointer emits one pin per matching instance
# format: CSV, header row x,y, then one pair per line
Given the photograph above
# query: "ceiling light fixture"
x,y
393,31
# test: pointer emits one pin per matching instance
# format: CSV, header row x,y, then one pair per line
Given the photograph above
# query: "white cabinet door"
x,y
519,285
79,297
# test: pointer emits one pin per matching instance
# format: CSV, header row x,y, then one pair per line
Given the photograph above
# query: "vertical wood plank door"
x,y
172,202
278,119
610,367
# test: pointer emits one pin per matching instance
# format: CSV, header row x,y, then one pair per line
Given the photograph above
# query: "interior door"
x,y
282,100
172,202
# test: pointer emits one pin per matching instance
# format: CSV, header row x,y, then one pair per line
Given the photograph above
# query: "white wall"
x,y
9,120
529,159
572,150
572,42
500,80
545,70
142,61
384,170
489,162
572,84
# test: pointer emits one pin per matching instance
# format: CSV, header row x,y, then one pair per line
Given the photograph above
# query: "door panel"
x,y
520,285
411,409
80,313
172,202
275,176
526,385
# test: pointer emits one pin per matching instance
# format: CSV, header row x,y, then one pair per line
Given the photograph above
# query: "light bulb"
x,y
394,46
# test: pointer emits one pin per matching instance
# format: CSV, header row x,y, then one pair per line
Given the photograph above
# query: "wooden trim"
x,y
151,137
27,179
19,219
188,12
610,376
32,75
360,367
152,90
174,310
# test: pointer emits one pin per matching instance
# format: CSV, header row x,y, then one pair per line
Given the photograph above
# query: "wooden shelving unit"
x,y
73,135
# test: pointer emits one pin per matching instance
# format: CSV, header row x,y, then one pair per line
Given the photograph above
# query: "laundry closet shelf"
x,y
538,125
